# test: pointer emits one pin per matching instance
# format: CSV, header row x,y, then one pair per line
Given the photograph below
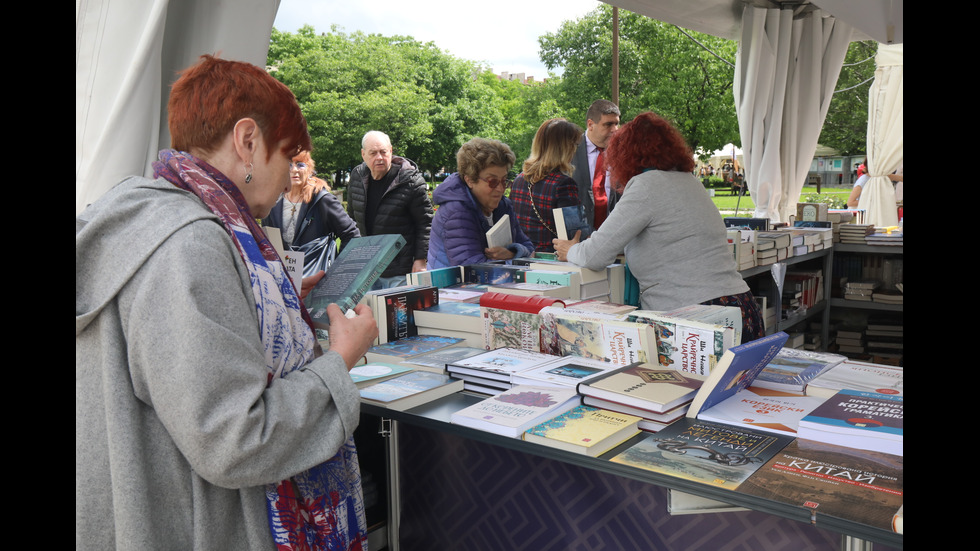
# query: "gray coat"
x,y
176,430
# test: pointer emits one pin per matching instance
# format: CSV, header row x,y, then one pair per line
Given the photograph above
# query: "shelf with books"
x,y
436,415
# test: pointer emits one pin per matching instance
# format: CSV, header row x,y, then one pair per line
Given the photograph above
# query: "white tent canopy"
x,y
886,137
127,53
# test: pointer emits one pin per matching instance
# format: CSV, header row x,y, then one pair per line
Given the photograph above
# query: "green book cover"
x,y
352,274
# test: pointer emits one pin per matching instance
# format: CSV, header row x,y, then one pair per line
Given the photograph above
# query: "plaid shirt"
x,y
555,190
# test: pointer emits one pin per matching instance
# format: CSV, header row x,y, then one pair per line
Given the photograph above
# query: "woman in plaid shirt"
x,y
545,182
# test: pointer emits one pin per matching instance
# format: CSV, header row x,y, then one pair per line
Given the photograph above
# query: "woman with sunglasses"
x,y
469,203
545,183
308,214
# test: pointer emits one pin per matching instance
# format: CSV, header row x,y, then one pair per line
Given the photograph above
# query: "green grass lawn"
x,y
746,206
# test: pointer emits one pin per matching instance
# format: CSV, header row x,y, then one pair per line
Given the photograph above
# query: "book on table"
x,y
661,418
702,451
763,409
459,316
792,369
738,367
394,309
512,321
689,346
854,375
645,386
514,411
860,420
410,389
533,289
368,374
499,364
550,340
489,273
563,371
499,235
352,274
572,280
398,351
439,277
586,430
440,358
614,340
857,485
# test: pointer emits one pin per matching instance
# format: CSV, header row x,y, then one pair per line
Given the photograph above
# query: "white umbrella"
x,y
886,138
785,74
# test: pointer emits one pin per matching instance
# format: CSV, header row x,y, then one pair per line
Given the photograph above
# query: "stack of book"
x,y
585,430
402,349
440,277
858,420
854,375
452,319
860,290
743,247
791,370
513,320
514,411
885,338
850,341
689,345
491,372
856,233
774,246
814,239
410,389
838,218
889,237
394,309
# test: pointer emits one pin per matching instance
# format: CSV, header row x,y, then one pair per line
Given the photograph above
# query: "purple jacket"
x,y
459,229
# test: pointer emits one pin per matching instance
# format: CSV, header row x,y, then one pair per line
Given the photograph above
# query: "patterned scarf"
x,y
321,508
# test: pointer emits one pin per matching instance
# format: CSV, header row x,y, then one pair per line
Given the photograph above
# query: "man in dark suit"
x,y
594,190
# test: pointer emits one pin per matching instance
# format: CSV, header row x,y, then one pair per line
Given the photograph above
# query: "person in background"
x,y
309,211
670,231
545,183
388,194
470,202
206,414
855,197
594,189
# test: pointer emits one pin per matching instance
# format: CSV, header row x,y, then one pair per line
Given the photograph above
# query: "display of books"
x,y
352,274
512,321
459,316
440,277
645,386
394,309
369,374
443,356
499,364
512,412
689,346
410,389
702,451
564,371
854,375
585,430
401,349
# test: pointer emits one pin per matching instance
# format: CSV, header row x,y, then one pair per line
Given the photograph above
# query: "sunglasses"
x,y
494,182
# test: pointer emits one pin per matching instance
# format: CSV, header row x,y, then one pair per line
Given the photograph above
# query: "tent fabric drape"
x,y
886,138
126,56
785,73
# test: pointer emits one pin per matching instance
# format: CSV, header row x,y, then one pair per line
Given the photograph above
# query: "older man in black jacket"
x,y
388,194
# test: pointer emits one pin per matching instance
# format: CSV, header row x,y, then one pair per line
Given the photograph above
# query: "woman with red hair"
x,y
673,238
206,414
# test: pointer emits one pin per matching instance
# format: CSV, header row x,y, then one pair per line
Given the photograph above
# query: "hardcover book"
x,y
394,309
352,274
616,341
862,486
585,430
444,356
410,389
689,346
565,371
644,386
460,316
739,366
492,274
702,451
512,321
512,412
569,220
499,364
440,277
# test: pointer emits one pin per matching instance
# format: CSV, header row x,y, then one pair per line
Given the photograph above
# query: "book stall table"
x,y
544,490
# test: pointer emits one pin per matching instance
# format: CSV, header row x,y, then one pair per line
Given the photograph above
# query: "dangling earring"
x,y
248,173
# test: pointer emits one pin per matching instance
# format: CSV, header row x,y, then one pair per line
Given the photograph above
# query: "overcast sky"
x,y
502,33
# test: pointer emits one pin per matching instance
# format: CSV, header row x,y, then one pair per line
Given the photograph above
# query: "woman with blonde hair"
x,y
310,217
545,182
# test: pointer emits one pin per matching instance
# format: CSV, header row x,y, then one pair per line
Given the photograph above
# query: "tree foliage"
x,y
660,69
846,126
348,83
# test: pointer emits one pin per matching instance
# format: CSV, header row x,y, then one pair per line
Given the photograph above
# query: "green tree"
x,y
426,100
846,126
660,69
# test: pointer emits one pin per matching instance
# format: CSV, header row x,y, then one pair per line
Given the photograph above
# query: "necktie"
x,y
599,190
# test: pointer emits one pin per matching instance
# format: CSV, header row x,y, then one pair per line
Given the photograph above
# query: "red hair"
x,y
210,97
313,184
648,141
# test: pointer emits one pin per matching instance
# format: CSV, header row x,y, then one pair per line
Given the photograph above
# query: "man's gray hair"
x,y
374,133
599,108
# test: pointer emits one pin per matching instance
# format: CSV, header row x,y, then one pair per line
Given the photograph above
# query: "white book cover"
x,y
512,412
499,235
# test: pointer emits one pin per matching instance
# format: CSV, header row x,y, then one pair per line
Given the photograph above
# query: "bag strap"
x,y
530,196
